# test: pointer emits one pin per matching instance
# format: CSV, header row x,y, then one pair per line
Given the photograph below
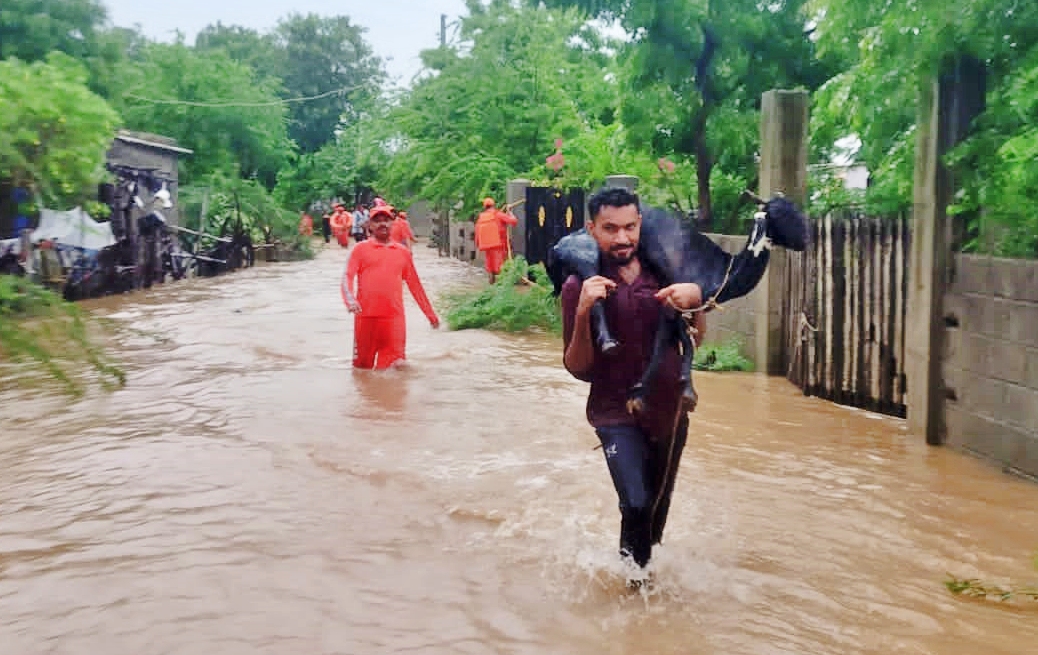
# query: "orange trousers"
x,y
378,341
495,259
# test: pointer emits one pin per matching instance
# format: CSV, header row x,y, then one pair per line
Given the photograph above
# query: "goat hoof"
x,y
689,400
636,400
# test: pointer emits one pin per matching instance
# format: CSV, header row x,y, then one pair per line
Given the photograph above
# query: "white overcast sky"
x,y
397,30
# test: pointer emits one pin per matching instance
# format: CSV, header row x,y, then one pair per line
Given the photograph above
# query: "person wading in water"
x,y
642,451
376,268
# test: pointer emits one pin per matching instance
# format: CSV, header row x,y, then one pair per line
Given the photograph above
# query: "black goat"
x,y
675,253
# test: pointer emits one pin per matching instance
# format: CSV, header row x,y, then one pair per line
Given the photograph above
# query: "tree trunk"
x,y
704,164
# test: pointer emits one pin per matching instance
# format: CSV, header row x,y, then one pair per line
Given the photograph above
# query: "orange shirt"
x,y
379,270
492,228
400,231
341,221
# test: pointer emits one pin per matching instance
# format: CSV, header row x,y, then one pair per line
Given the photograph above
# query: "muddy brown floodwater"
x,y
248,493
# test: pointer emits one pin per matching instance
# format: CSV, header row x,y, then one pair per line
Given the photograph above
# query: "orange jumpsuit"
x,y
379,331
401,233
306,225
492,237
342,222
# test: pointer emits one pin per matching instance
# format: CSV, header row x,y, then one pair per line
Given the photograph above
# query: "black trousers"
x,y
643,473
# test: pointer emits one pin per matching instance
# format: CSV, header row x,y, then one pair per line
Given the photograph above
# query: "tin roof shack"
x,y
149,161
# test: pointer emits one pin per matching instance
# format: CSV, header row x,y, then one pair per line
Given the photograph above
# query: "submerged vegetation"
x,y
520,299
36,325
975,588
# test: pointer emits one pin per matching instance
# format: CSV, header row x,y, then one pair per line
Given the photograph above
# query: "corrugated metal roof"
x,y
153,144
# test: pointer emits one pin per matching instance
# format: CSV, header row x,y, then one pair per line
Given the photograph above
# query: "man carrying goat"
x,y
633,285
642,450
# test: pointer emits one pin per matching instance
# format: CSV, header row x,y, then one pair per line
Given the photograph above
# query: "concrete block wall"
x,y
463,242
990,361
739,318
420,215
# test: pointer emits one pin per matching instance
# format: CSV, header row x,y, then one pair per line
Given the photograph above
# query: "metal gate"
x,y
550,215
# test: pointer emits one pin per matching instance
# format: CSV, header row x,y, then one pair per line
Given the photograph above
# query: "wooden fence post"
x,y
783,169
947,106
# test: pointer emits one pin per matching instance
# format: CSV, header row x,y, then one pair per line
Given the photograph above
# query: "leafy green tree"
x,y
54,131
30,29
210,104
893,49
226,199
695,65
325,57
492,108
261,52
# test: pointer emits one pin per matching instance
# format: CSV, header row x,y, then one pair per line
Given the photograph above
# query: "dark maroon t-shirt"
x,y
632,312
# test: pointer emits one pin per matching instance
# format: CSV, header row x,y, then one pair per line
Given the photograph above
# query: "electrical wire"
x,y
217,105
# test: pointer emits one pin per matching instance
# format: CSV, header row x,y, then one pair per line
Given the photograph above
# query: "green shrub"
x,y
721,357
520,299
37,325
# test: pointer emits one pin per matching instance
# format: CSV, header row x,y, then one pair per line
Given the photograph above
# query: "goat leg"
x,y
689,397
637,394
603,337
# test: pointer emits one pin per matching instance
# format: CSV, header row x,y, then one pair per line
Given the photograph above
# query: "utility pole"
x,y
443,30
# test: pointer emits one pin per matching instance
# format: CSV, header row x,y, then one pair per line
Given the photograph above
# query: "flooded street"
x,y
247,492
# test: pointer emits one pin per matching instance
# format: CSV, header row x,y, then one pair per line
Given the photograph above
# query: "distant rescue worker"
x,y
342,222
400,231
372,290
492,236
306,225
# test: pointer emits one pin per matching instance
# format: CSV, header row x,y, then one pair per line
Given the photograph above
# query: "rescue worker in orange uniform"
x,y
401,231
342,223
376,268
306,225
492,236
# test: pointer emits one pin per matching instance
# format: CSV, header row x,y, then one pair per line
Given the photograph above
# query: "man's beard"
x,y
621,260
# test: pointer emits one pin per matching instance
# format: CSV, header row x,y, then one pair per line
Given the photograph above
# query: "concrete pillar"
x,y
946,108
514,192
629,182
783,169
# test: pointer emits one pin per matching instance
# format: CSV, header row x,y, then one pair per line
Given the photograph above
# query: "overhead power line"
x,y
272,103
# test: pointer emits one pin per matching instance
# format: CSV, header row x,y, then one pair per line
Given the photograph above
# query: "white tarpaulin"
x,y
73,228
